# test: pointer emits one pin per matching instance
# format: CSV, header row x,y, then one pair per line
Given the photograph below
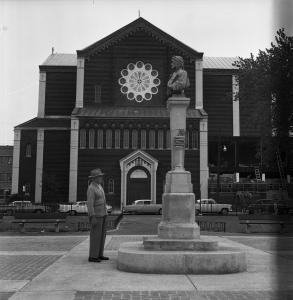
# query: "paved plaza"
x,y
56,267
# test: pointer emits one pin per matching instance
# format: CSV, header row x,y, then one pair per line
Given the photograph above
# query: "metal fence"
x,y
249,187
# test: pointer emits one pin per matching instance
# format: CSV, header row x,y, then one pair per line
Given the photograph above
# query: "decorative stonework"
x,y
139,81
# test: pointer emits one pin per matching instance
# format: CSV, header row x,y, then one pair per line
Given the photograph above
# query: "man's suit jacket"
x,y
96,201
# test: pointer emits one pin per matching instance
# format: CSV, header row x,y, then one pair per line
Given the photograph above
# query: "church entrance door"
x,y
138,185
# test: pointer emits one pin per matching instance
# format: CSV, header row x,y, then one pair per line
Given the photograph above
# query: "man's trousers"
x,y
97,237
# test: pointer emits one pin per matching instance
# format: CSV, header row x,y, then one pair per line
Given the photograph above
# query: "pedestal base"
x,y
170,230
178,220
202,244
132,257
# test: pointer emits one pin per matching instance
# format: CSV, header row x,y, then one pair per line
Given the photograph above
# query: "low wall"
x,y
72,223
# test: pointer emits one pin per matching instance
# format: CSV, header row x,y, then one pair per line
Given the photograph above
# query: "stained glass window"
x,y
139,81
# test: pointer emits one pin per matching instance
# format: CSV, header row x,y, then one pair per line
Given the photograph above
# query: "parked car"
x,y
269,206
211,206
143,206
79,207
23,207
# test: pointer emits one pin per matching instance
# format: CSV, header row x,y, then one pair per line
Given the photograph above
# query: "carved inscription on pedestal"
x,y
179,139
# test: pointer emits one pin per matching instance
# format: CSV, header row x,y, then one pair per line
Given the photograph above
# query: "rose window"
x,y
139,81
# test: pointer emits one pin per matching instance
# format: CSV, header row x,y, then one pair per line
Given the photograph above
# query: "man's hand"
x,y
93,220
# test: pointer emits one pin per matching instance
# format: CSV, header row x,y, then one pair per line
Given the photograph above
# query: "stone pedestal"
x,y
178,248
178,219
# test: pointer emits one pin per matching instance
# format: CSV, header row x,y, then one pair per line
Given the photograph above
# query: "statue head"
x,y
177,62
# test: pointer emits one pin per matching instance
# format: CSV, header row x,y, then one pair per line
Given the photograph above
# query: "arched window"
x,y
111,186
92,138
187,139
134,138
109,138
82,138
117,138
160,139
126,138
143,139
168,139
194,139
152,139
28,150
100,140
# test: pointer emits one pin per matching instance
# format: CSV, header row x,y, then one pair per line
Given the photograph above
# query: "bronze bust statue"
x,y
179,80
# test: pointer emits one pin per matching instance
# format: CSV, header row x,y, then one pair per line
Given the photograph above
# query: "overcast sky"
x,y
30,28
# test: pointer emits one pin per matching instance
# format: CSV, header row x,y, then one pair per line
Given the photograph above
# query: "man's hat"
x,y
95,173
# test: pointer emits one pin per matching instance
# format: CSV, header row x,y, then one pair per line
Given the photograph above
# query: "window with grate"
x,y
168,139
160,139
82,138
194,139
143,139
92,138
117,138
111,186
109,138
152,139
28,150
98,93
134,139
100,139
126,138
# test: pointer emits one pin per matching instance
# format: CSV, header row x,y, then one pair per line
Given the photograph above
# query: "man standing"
x,y
97,211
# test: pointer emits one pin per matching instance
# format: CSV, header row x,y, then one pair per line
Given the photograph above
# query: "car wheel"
x,y
197,212
72,212
224,211
160,211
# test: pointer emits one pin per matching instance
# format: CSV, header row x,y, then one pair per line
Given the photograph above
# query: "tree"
x,y
266,85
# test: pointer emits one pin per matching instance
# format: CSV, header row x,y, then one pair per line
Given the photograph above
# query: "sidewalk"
x,y
56,267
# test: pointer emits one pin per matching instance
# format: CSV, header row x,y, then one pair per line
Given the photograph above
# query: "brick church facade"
x,y
106,107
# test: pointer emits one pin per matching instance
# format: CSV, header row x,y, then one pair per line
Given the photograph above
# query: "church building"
x,y
105,107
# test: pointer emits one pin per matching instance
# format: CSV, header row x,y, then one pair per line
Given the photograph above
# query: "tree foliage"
x,y
266,88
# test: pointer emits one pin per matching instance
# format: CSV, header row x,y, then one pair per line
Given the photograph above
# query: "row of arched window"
x,y
132,139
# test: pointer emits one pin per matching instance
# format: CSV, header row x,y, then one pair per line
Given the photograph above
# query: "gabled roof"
x,y
70,60
35,123
219,62
61,59
137,25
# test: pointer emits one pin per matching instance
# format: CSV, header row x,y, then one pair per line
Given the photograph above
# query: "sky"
x,y
30,28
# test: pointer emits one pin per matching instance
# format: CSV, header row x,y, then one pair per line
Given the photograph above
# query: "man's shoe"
x,y
93,259
104,258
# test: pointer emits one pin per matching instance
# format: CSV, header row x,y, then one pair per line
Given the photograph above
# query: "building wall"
x,y
217,102
27,163
6,156
104,69
60,92
56,166
108,158
108,161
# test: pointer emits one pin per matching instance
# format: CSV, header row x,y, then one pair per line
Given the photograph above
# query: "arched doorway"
x,y
138,160
138,184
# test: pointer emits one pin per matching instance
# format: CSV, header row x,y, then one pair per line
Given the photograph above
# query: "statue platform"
x,y
179,248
